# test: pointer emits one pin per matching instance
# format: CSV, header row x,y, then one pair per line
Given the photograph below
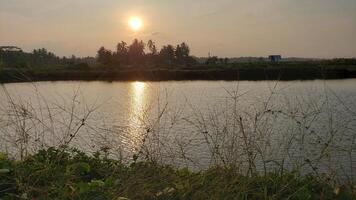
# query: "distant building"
x,y
275,58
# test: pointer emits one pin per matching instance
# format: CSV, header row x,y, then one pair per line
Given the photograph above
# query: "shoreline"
x,y
282,74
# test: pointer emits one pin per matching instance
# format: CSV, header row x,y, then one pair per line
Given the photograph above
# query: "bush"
x,y
71,174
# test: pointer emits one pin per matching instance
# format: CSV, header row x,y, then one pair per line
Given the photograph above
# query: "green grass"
x,y
71,174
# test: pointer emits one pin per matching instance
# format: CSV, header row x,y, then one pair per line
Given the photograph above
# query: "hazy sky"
x,y
301,28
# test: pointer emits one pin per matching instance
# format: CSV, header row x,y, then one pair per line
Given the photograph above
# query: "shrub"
x,y
71,174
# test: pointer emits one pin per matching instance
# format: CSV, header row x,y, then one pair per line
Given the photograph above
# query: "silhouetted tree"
x,y
136,52
43,57
167,54
179,54
152,47
226,61
14,57
212,60
182,55
11,56
121,48
104,56
121,54
152,56
221,60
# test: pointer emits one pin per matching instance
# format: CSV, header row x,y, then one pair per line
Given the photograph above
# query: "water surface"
x,y
189,123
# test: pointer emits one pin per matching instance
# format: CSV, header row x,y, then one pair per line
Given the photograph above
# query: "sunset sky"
x,y
227,28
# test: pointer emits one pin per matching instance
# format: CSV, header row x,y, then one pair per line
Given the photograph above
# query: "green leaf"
x,y
96,183
79,168
4,171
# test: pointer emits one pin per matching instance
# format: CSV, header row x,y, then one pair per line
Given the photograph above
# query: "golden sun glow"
x,y
139,86
138,92
135,23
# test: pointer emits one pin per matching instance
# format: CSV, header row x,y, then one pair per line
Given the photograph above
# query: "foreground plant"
x,y
71,174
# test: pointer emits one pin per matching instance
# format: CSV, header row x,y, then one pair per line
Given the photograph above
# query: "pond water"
x,y
264,125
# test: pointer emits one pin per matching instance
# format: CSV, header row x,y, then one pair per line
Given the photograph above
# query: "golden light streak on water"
x,y
138,92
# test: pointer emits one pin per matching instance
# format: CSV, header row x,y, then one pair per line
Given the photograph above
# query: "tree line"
x,y
15,57
140,53
136,54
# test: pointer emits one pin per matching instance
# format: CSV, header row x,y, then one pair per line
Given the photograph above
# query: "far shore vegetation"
x,y
145,61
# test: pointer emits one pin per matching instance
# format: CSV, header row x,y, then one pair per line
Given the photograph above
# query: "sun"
x,y
135,23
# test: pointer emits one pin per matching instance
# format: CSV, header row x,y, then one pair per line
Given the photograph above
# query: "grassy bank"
x,y
238,71
70,174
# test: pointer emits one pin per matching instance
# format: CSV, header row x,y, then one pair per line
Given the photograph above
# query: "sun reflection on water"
x,y
139,87
137,111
